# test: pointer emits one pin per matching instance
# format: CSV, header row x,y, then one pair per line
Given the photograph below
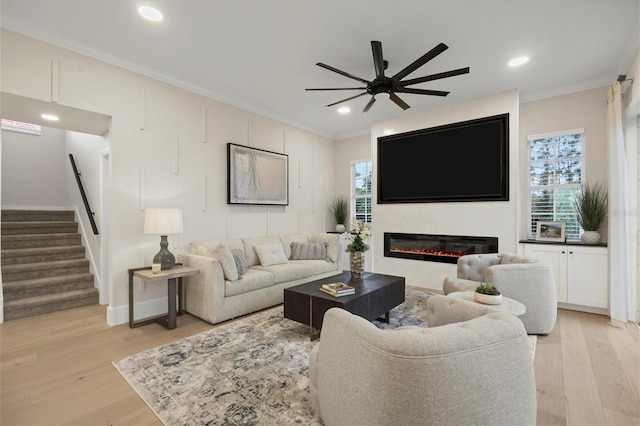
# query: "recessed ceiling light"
x,y
520,60
344,110
387,131
50,117
149,13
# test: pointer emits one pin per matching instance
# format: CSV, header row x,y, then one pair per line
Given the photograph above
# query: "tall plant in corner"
x,y
339,209
592,206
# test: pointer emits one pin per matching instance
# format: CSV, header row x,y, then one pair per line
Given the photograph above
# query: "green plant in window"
x,y
591,204
339,210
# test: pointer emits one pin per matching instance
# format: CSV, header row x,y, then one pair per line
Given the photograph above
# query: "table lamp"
x,y
163,222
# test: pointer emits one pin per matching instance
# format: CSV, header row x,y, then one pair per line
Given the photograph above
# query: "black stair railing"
x,y
84,196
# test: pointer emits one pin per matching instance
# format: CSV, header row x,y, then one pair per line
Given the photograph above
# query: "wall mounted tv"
x,y
465,161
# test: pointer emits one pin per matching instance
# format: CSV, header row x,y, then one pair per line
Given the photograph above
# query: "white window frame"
x,y
355,196
576,186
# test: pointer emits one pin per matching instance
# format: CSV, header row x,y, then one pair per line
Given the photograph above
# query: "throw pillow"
x,y
308,251
332,240
272,254
222,254
240,261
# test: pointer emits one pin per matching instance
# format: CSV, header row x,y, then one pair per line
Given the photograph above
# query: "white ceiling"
x,y
260,54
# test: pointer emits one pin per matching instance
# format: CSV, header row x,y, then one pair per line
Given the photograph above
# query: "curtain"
x,y
619,238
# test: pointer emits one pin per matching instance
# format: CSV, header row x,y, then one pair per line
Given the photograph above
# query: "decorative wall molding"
x,y
55,80
175,151
203,192
203,125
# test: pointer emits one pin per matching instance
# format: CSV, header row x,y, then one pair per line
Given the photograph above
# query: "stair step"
x,y
37,287
41,254
27,307
27,271
37,215
40,227
39,240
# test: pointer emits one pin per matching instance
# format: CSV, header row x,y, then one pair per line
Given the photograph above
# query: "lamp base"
x,y
164,257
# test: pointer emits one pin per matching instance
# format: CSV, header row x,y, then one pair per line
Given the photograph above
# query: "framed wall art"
x,y
257,176
551,231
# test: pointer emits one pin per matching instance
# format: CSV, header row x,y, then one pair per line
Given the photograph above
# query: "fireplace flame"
x,y
428,252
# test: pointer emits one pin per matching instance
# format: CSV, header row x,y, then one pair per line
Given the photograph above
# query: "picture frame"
x,y
551,231
257,176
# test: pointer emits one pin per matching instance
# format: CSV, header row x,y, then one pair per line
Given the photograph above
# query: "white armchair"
x,y
527,280
479,371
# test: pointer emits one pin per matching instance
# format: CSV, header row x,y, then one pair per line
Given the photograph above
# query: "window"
x,y
361,191
18,126
555,174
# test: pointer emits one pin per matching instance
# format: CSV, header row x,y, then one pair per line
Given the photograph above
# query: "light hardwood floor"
x,y
55,369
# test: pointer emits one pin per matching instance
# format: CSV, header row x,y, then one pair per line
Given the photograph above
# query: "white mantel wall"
x,y
492,219
168,149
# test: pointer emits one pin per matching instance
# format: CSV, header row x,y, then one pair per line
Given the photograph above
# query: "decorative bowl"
x,y
488,299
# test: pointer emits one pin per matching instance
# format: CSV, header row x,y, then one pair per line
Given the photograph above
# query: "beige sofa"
x,y
469,367
274,263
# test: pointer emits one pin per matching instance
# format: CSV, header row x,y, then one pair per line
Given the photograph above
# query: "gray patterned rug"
x,y
250,371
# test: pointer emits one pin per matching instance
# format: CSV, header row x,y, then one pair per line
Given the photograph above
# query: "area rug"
x,y
247,372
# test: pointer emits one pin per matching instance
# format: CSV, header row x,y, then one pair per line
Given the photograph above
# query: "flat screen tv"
x,y
465,161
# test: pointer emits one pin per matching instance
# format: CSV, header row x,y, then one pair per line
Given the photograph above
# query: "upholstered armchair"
x,y
524,279
478,371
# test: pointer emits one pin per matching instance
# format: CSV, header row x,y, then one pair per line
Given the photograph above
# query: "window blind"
x,y
361,194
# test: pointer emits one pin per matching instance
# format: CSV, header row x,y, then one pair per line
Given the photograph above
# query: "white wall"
x,y
586,109
168,149
492,219
33,170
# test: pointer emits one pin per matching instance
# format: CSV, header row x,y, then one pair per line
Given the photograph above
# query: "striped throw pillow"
x,y
308,251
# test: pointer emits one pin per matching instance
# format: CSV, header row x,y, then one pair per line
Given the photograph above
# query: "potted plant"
x,y
591,204
488,294
339,209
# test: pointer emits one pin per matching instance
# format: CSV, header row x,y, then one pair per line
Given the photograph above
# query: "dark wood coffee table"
x,y
376,295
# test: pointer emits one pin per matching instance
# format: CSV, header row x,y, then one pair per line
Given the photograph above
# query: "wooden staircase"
x,y
43,263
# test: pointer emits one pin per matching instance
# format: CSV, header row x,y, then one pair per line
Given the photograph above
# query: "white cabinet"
x,y
580,272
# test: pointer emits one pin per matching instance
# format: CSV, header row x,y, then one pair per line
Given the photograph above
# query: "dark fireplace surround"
x,y
436,248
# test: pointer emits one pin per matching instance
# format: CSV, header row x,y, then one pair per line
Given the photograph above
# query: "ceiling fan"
x,y
395,84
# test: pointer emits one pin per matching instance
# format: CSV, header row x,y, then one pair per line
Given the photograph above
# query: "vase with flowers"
x,y
359,232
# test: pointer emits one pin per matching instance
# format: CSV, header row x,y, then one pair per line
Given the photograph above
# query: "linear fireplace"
x,y
436,248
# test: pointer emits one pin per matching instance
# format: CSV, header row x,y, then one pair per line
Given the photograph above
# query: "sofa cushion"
x,y
331,239
253,279
250,243
296,269
292,238
221,253
271,254
308,251
240,261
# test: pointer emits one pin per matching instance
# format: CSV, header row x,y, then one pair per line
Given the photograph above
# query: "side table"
x,y
508,305
173,277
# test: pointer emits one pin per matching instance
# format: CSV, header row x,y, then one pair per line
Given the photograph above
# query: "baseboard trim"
x,y
581,308
148,308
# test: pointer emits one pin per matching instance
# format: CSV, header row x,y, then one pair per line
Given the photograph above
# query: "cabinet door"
x,y
556,256
587,277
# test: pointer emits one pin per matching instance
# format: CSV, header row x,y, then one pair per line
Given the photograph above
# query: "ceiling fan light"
x,y
520,60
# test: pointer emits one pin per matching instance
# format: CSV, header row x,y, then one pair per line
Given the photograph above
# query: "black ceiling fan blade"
x,y
346,74
437,76
378,61
421,91
348,99
340,88
369,104
421,61
395,98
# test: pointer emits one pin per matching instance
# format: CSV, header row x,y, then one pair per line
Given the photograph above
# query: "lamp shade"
x,y
163,221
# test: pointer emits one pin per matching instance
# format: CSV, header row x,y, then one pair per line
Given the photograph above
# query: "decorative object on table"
x,y
591,204
257,176
488,294
337,289
339,209
551,231
360,231
156,267
163,222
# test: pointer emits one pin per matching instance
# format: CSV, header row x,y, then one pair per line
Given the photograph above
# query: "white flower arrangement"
x,y
359,232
